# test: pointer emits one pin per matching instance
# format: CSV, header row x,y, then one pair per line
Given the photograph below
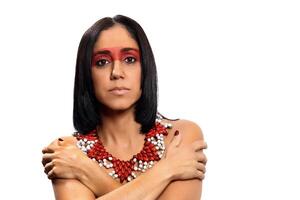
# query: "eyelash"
x,y
132,58
107,61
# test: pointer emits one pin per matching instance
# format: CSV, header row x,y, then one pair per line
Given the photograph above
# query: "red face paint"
x,y
109,55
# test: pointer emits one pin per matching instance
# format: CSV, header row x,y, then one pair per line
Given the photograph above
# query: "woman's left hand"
x,y
62,159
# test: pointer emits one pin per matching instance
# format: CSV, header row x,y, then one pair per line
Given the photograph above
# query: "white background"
x,y
230,66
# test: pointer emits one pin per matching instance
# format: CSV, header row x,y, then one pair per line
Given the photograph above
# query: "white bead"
x,y
84,139
110,158
135,168
140,161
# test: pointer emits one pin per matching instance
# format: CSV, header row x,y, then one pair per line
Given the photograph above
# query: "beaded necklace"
x,y
152,151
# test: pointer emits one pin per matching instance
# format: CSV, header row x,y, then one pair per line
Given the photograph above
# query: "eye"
x,y
102,62
130,59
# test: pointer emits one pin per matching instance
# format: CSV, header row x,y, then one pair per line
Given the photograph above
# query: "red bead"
x,y
124,168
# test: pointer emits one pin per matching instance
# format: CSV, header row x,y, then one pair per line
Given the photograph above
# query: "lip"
x,y
119,90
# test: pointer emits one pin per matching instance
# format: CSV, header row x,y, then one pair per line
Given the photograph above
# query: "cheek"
x,y
137,83
99,83
138,76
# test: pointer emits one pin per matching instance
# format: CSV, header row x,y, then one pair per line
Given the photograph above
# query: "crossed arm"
x,y
177,176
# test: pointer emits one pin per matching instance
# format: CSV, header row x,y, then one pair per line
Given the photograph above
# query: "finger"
x,y
48,167
200,166
60,141
51,147
174,136
176,140
199,145
172,143
47,150
56,143
200,175
201,157
51,174
47,157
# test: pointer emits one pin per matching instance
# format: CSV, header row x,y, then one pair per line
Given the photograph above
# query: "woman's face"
x,y
116,69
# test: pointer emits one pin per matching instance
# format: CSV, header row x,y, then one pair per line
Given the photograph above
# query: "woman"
x,y
115,114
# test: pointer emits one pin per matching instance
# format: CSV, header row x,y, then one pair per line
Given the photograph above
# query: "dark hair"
x,y
86,107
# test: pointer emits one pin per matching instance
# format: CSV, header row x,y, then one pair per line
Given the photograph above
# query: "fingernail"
x,y
176,132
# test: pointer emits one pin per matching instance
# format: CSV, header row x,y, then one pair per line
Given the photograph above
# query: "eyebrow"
x,y
122,50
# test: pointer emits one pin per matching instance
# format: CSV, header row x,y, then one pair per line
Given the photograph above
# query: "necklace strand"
x,y
152,151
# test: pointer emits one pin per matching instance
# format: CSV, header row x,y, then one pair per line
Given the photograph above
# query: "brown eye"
x,y
102,62
130,59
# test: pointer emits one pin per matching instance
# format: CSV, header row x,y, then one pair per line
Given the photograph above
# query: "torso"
x,y
126,154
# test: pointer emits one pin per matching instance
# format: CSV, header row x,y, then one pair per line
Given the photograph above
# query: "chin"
x,y
119,106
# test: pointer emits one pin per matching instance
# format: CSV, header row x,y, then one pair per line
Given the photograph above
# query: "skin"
x,y
176,176
176,162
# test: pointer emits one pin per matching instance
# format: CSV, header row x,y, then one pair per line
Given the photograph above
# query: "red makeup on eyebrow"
x,y
116,53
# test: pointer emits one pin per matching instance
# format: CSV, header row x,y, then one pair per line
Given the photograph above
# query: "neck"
x,y
119,128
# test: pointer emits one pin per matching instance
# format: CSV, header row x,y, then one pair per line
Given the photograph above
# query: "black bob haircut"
x,y
86,108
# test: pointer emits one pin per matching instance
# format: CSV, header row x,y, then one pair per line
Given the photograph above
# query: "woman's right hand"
x,y
185,161
62,159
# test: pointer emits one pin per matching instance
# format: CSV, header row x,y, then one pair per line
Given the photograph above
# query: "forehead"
x,y
116,36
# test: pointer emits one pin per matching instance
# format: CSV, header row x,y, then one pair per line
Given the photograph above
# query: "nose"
x,y
117,71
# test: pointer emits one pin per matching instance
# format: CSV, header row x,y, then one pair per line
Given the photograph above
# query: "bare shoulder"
x,y
183,189
189,130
